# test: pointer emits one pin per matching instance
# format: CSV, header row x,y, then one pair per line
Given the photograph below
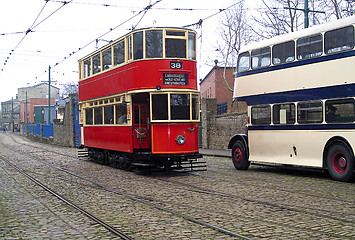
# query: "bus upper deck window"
x,y
138,45
192,47
309,47
154,43
261,58
243,62
339,40
283,53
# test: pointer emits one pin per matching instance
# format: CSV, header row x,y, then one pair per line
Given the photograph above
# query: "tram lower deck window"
x,y
160,107
180,106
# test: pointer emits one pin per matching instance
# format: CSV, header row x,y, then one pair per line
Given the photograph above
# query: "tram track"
x,y
133,197
157,204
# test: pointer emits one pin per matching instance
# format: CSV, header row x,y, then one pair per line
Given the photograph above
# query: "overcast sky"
x,y
24,58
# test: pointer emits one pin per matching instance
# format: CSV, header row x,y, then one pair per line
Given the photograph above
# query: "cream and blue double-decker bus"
x,y
300,92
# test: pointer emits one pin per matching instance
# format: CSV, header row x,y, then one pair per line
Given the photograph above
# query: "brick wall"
x,y
217,130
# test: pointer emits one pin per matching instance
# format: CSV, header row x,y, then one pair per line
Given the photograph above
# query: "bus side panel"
x,y
116,138
164,138
302,147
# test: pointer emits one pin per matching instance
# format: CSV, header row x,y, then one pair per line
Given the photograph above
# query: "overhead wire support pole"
x,y
49,94
305,10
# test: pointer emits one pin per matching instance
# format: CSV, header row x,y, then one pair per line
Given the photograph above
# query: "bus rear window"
x,y
310,112
340,111
243,62
261,115
283,53
339,40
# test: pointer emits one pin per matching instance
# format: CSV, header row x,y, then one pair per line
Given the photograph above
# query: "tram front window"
x,y
180,106
175,48
160,107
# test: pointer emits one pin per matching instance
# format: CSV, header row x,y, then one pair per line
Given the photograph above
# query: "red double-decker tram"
x,y
138,101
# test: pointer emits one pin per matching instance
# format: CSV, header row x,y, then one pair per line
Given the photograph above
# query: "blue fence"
x,y
48,130
37,129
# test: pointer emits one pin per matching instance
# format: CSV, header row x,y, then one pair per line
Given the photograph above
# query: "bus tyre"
x,y
340,163
239,156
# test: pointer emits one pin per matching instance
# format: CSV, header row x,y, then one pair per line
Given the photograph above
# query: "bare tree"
x,y
68,88
235,32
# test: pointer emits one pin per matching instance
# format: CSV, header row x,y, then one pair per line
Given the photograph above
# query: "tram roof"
x,y
301,33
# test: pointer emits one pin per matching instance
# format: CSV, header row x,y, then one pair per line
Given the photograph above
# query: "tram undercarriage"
x,y
145,162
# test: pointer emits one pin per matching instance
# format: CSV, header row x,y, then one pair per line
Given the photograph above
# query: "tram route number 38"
x,y
176,65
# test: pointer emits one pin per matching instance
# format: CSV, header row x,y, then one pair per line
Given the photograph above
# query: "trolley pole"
x,y
305,10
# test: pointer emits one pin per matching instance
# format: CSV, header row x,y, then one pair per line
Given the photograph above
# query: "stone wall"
x,y
217,130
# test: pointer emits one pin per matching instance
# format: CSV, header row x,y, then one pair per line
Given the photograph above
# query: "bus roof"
x,y
301,33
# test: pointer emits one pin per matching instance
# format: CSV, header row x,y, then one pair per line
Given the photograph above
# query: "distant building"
x,y
37,91
10,114
214,85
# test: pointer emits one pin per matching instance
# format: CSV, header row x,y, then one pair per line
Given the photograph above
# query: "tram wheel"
x,y
340,163
239,156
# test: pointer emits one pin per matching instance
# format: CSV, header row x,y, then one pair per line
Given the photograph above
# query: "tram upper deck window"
x,y
118,53
96,63
87,67
180,106
106,59
339,40
243,62
192,46
138,45
309,47
175,47
160,107
310,112
261,115
154,43
283,52
260,57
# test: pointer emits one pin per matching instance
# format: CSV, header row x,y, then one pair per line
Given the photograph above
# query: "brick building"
x,y
215,85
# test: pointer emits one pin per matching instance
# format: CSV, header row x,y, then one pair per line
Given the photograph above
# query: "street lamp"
x,y
42,111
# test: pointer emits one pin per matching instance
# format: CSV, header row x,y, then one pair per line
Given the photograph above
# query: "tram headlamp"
x,y
180,139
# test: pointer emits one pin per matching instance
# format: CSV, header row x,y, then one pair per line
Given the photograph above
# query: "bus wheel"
x,y
340,163
239,156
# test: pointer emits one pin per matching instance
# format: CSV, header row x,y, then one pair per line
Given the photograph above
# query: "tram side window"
x,y
108,113
192,47
87,67
339,40
309,47
283,113
118,53
261,58
243,62
138,45
160,107
310,112
96,64
283,53
175,48
180,106
121,113
261,115
340,111
195,107
88,116
97,115
154,43
106,59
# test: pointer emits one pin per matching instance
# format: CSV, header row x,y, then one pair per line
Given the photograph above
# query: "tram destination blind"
x,y
176,79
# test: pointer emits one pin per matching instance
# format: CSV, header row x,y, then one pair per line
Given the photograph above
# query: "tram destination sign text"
x,y
176,79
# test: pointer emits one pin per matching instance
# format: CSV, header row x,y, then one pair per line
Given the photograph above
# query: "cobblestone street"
x,y
220,203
